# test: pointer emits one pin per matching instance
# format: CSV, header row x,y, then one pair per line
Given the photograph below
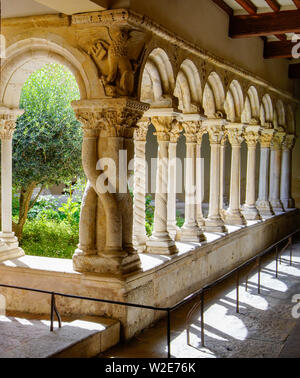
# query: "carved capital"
x,y
235,137
289,142
200,134
266,138
163,126
251,138
140,133
191,129
8,118
176,129
118,117
216,134
277,141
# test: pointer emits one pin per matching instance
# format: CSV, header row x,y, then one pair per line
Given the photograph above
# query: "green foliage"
x,y
47,140
71,210
149,215
50,238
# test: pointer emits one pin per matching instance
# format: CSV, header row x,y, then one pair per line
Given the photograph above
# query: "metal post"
x,y
169,332
202,318
52,312
276,262
291,251
237,290
258,284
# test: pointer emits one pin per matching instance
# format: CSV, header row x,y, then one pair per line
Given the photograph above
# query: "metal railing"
x,y
237,270
169,310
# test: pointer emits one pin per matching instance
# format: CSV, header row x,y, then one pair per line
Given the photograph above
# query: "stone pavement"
x,y
264,327
28,336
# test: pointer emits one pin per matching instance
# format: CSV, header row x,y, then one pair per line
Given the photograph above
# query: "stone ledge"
x,y
163,281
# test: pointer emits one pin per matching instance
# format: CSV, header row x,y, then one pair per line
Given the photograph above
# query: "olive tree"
x,y
47,140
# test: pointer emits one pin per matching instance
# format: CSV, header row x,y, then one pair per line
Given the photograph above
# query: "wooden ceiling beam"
x,y
264,24
224,6
278,49
247,5
294,71
297,3
273,4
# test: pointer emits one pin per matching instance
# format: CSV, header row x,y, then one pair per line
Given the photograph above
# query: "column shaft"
x,y
214,222
250,211
286,170
172,223
161,242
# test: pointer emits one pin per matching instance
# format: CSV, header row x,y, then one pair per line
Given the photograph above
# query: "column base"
x,y
116,263
215,225
264,208
192,233
161,244
10,254
201,222
277,206
250,213
139,242
173,231
288,203
234,218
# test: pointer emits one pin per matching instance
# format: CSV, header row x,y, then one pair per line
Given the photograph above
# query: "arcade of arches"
x,y
129,86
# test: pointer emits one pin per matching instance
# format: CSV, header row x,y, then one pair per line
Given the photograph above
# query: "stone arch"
x,y
252,105
26,56
213,95
280,113
290,120
267,111
157,83
234,102
188,87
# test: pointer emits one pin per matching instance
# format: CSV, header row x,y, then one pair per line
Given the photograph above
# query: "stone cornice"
x,y
130,18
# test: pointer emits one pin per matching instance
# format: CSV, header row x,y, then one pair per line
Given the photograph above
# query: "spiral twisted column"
x,y
251,136
9,247
191,232
140,170
172,179
263,204
286,169
275,171
214,222
161,242
233,215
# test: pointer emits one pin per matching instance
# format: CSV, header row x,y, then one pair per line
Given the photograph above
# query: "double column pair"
x,y
165,231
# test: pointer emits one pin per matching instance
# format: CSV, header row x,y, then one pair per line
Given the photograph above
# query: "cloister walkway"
x,y
265,326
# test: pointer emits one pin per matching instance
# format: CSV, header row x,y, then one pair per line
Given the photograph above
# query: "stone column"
x,y
191,232
275,172
9,247
139,208
214,222
222,172
263,205
172,177
199,179
106,219
161,242
250,211
286,170
233,215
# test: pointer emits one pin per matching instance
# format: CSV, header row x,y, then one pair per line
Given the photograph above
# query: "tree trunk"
x,y
25,198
